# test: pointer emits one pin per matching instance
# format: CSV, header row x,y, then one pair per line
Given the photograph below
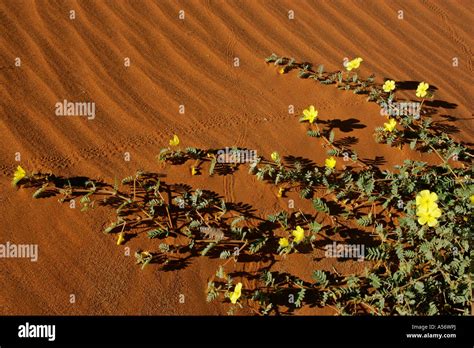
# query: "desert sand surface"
x,y
190,62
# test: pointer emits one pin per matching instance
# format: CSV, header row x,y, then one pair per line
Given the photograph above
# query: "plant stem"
x,y
358,161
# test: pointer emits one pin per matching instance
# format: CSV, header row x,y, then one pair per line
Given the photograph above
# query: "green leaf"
x,y
279,61
364,221
257,245
375,254
320,205
300,297
304,74
315,227
40,191
375,280
225,254
114,225
272,58
207,248
164,248
331,136
333,152
313,133
320,70
156,233
212,166
320,278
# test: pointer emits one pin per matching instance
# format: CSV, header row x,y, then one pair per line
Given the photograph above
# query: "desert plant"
x,y
418,215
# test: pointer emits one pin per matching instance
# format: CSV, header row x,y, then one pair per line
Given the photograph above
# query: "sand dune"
x,y
187,62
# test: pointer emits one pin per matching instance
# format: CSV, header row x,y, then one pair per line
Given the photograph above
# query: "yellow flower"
x,y
472,199
280,192
19,174
354,64
390,126
283,242
120,238
174,141
235,295
298,234
421,89
426,198
275,156
310,114
428,214
193,170
282,70
330,162
388,86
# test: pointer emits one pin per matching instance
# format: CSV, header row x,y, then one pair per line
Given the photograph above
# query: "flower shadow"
x,y
344,126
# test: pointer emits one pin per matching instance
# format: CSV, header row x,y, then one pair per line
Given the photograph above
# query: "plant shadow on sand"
x,y
344,126
442,122
410,85
184,224
137,223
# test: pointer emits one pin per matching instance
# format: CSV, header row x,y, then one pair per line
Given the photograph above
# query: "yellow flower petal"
x,y
436,212
174,141
298,234
421,94
310,114
283,242
422,220
428,211
388,86
421,90
354,64
235,295
330,162
390,126
426,198
120,238
19,174
280,192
